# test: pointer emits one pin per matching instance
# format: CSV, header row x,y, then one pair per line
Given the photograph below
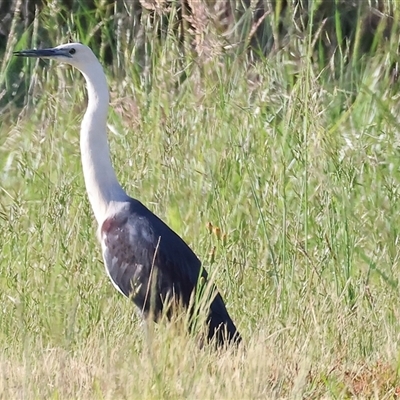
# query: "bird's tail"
x,y
221,327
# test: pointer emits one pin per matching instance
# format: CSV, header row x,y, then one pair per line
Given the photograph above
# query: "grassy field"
x,y
298,168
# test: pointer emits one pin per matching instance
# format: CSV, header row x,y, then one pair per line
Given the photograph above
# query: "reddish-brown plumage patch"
x,y
111,224
108,225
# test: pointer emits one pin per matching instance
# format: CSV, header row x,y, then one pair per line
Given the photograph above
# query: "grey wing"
x,y
135,244
134,255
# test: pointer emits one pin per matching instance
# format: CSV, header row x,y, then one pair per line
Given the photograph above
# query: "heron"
x,y
144,258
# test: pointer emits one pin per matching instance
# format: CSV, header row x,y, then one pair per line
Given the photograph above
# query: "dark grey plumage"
x,y
137,244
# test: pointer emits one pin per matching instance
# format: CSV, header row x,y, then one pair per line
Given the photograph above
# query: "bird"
x,y
144,258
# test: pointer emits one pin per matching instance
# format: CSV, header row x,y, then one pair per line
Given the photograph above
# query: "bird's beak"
x,y
43,53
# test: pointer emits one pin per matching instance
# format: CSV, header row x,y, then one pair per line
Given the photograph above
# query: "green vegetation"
x,y
295,161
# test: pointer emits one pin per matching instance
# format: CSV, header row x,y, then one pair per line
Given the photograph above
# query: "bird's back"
x,y
149,262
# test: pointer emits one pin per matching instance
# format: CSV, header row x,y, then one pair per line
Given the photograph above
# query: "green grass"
x,y
300,171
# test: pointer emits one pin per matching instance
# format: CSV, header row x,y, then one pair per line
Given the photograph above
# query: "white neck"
x,y
101,182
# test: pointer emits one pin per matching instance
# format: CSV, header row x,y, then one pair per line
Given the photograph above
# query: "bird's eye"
x,y
72,51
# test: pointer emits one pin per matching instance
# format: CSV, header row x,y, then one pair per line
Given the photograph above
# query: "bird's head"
x,y
75,54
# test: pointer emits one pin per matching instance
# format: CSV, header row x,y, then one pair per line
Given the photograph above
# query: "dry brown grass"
x,y
172,366
212,27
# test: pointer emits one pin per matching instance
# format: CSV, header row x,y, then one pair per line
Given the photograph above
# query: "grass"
x,y
300,171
